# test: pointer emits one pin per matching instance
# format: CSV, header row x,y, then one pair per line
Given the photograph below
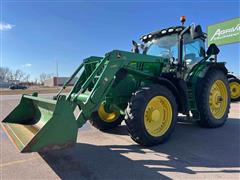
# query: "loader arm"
x,y
104,76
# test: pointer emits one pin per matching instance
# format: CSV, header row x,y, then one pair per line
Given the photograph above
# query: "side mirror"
x,y
196,32
212,50
202,52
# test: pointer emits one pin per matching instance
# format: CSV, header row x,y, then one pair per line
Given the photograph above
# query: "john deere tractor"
x,y
173,73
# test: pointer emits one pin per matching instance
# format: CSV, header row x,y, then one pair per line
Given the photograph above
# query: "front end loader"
x,y
174,74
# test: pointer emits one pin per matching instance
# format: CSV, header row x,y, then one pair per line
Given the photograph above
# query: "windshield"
x,y
164,47
167,47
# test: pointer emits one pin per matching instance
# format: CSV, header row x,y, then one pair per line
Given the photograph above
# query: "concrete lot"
x,y
31,89
192,152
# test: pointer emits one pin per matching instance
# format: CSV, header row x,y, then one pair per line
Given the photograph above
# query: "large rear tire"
x,y
234,84
151,115
213,99
103,120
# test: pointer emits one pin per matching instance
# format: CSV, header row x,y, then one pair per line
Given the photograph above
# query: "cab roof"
x,y
161,33
165,32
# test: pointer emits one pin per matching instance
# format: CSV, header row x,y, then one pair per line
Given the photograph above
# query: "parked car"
x,y
17,86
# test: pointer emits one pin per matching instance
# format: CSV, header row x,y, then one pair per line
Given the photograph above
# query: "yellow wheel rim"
x,y
158,116
218,99
235,90
105,116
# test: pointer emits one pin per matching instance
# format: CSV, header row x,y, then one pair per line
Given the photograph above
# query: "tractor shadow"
x,y
191,150
120,130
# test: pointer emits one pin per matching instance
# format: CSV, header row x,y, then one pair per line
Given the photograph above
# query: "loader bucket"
x,y
38,124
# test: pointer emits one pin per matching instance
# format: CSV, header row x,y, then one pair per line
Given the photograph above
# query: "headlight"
x,y
163,31
178,29
149,36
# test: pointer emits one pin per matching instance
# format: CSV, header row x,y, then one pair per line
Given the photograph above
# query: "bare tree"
x,y
4,73
10,76
18,75
21,75
26,78
36,81
7,74
44,76
50,75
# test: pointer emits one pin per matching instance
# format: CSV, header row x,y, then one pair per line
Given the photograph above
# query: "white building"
x,y
58,81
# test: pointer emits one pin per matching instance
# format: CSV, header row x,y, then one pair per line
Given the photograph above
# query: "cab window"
x,y
193,50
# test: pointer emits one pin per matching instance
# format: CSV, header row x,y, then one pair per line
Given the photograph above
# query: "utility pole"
x,y
57,72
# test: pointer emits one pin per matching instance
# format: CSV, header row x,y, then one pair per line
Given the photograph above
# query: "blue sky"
x,y
43,32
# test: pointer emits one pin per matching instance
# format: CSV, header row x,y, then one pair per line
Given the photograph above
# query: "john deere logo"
x,y
224,33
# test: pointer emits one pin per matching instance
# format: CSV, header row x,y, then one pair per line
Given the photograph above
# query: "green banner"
x,y
225,32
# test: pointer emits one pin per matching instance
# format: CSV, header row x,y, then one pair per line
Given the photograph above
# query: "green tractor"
x,y
172,74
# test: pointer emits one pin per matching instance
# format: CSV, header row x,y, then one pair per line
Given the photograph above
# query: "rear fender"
x,y
198,73
202,69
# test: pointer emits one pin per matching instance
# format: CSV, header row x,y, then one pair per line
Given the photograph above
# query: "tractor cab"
x,y
183,46
165,43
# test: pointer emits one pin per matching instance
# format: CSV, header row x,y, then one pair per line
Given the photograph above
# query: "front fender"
x,y
231,76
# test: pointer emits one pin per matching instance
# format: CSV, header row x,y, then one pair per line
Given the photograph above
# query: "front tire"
x,y
213,99
151,115
103,120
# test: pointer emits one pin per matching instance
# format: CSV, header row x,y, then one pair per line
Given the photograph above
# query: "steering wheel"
x,y
165,54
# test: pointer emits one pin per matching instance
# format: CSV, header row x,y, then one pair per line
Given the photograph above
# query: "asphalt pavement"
x,y
191,152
